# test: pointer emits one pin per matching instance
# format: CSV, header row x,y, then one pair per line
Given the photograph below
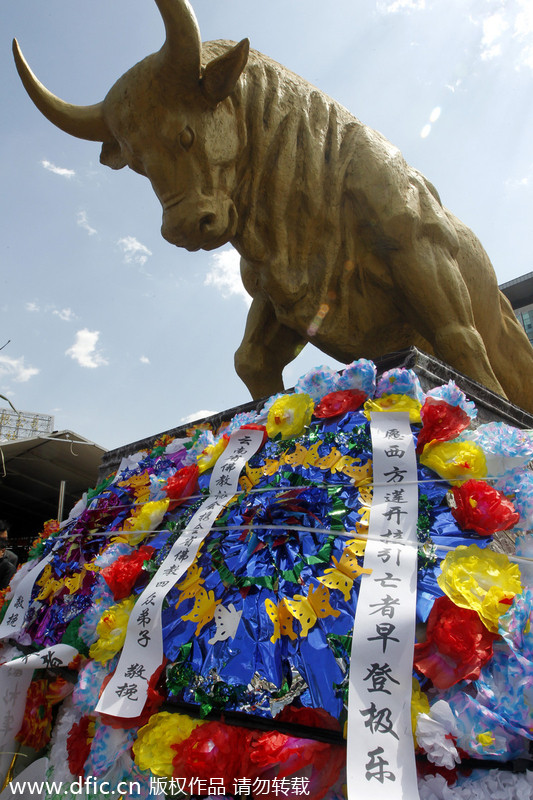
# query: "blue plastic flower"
x,y
400,381
317,382
451,393
359,374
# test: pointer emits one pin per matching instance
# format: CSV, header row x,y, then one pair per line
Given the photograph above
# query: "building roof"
x,y
519,291
31,472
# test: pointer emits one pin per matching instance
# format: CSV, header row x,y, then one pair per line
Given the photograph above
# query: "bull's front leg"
x,y
267,347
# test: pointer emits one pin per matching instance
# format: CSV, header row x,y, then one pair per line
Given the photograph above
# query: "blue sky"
x,y
120,335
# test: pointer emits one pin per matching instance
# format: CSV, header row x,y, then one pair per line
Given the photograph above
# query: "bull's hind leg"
x,y
439,305
267,347
511,355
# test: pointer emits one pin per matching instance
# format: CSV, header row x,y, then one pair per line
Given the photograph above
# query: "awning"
x,y
31,472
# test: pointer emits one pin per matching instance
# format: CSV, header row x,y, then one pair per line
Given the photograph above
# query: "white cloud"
x,y
134,251
144,360
426,130
523,30
493,29
393,6
84,349
15,369
65,173
225,275
455,85
508,32
520,182
66,314
82,221
196,415
435,114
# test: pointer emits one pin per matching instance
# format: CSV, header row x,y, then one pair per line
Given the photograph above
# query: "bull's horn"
x,y
183,47
85,122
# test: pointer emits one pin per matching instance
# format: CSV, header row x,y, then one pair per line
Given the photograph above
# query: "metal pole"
x,y
61,501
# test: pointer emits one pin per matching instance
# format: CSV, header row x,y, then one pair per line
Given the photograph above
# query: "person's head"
x,y
4,532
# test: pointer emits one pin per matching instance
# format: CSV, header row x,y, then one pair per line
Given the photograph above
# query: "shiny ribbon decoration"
x,y
142,653
380,750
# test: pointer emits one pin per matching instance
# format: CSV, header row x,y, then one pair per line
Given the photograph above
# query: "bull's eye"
x,y
186,138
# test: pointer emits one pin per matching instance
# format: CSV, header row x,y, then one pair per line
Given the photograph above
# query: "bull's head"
x,y
166,119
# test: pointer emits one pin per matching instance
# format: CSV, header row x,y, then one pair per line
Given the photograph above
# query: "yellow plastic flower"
x,y
456,462
419,705
152,750
145,520
481,580
289,415
111,630
485,739
394,402
210,455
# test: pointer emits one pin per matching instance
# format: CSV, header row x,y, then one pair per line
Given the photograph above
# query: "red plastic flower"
x,y
252,426
425,767
160,445
58,689
277,755
312,717
51,526
440,422
37,721
340,402
79,745
457,645
182,485
481,508
213,749
231,753
272,749
122,575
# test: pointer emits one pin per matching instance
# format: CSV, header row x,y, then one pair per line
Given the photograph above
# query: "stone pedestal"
x,y
431,372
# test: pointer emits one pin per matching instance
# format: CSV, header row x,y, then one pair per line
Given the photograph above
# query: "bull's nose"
x,y
193,226
208,224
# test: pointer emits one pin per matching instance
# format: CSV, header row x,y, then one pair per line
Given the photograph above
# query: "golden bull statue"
x,y
341,241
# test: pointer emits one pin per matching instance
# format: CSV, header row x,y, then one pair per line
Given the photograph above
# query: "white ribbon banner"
x,y
142,653
13,621
380,751
15,678
34,776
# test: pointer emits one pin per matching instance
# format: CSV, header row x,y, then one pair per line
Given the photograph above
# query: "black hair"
x,y
4,525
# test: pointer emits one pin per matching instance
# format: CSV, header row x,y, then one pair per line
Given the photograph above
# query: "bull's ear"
x,y
111,155
222,73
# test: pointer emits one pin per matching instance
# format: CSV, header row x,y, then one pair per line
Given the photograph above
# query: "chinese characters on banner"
x,y
126,692
380,751
15,678
13,621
